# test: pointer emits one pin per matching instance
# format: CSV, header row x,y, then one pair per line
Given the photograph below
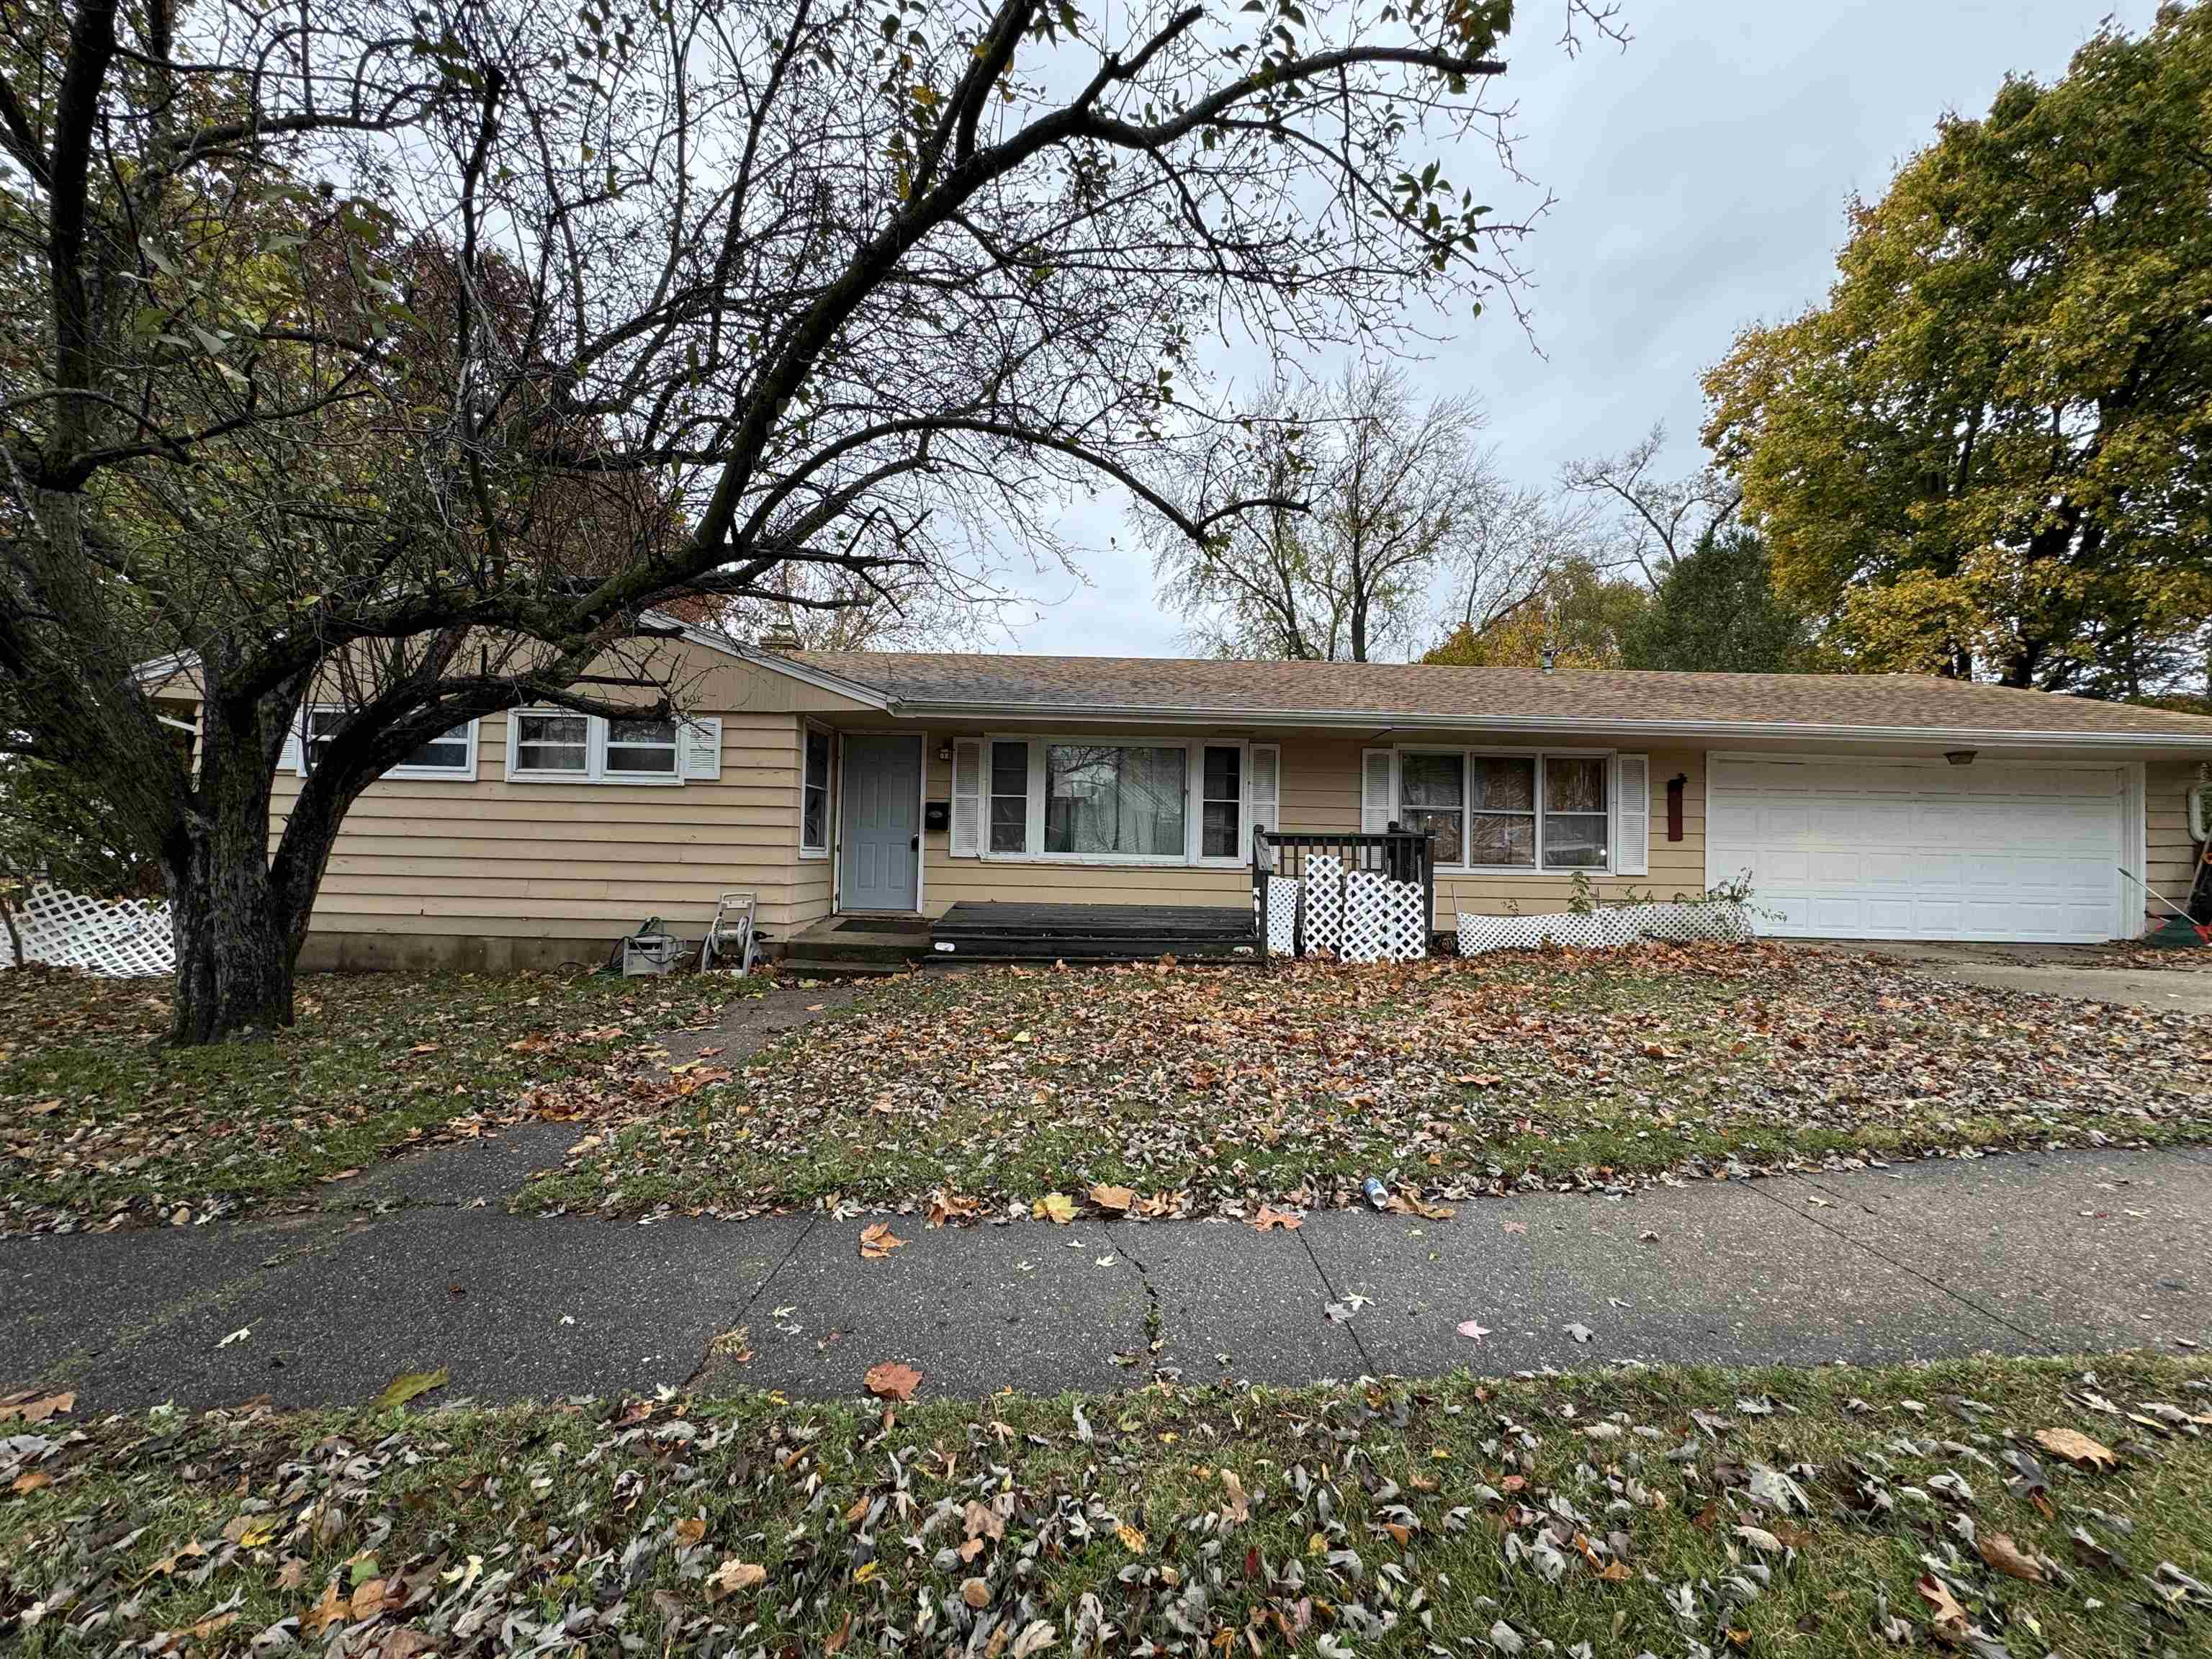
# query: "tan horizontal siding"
x,y
2170,864
1320,792
492,859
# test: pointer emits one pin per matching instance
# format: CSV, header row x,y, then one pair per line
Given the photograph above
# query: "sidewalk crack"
x,y
2040,1343
1367,1360
738,1317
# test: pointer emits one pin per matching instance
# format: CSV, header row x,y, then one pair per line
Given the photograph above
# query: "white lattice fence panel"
x,y
1282,916
1324,886
1383,920
1607,928
119,938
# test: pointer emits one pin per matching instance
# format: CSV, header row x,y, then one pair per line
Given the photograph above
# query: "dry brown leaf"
x,y
1237,1509
893,1380
734,1576
878,1241
37,1410
369,1599
839,1637
325,1612
691,1530
2077,1448
2001,1552
1946,1617
1116,1201
31,1482
975,1593
1283,1220
1057,1208
1132,1539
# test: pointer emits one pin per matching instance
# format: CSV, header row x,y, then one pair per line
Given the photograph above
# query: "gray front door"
x,y
879,824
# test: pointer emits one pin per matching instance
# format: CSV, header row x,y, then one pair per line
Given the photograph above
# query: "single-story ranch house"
x,y
874,786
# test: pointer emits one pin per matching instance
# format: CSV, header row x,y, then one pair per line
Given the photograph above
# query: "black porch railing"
x,y
1401,855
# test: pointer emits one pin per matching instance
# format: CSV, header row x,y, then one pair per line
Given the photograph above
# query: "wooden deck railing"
x,y
1401,855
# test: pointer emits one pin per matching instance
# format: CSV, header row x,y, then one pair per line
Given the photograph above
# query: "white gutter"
x,y
1532,724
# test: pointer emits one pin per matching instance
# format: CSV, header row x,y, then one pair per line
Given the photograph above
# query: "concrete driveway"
x,y
2093,972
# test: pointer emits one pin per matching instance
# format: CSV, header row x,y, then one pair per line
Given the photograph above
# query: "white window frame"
x,y
807,730
1193,753
464,773
595,756
674,746
1537,757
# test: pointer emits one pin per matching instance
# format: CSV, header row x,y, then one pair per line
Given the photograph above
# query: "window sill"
x,y
814,855
1593,870
1101,861
586,780
429,775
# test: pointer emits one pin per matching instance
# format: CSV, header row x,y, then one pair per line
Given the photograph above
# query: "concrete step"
x,y
842,967
892,950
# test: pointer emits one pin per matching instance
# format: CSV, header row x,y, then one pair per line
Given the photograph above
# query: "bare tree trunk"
x,y
235,934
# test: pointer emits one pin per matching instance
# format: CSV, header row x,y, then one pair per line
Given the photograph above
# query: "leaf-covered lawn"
x,y
101,1123
1991,1509
1207,1090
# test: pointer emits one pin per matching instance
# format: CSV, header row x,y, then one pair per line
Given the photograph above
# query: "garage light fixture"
x,y
1960,756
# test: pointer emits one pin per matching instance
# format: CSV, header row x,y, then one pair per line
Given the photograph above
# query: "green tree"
x,y
415,358
1580,612
1990,452
1715,610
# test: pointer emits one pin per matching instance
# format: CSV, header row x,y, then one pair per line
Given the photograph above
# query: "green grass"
x,y
99,1120
1814,1514
1206,1090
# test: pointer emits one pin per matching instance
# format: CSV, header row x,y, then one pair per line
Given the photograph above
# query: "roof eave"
x,y
1379,720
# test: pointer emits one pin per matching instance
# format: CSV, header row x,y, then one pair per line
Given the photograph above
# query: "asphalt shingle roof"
x,y
1404,691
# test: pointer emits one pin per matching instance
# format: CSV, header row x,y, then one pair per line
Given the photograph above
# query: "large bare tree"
x,y
1373,499
428,350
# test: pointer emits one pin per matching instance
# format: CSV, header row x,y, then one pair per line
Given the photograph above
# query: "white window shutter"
x,y
967,798
1264,782
294,758
699,741
1631,815
1378,790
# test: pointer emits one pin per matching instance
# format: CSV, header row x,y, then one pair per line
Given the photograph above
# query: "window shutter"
x,y
294,758
967,798
1631,815
1264,787
699,745
1378,790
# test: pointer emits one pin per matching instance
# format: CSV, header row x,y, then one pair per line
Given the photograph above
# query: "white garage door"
x,y
1907,849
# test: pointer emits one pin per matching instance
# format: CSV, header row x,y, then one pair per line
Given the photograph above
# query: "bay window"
x,y
1114,801
1530,812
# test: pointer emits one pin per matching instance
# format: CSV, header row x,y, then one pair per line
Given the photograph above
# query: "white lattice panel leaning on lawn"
x,y
1282,916
1606,929
118,939
1383,920
1324,886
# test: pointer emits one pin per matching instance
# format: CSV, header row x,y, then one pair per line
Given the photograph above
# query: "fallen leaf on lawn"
x,y
38,1410
2001,1552
1114,1199
839,1637
2077,1448
1237,1507
31,1482
734,1576
1057,1208
1132,1539
878,1241
1472,1330
369,1598
893,1380
691,1530
408,1384
243,1334
1038,1637
325,1612
1947,1618
1284,1220
975,1593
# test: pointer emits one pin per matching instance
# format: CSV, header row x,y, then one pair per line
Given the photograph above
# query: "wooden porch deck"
x,y
1092,932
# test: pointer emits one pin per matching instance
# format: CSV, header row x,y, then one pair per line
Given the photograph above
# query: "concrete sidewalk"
x,y
2024,1255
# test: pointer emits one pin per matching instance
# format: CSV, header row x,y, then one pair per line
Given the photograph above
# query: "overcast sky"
x,y
1701,176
